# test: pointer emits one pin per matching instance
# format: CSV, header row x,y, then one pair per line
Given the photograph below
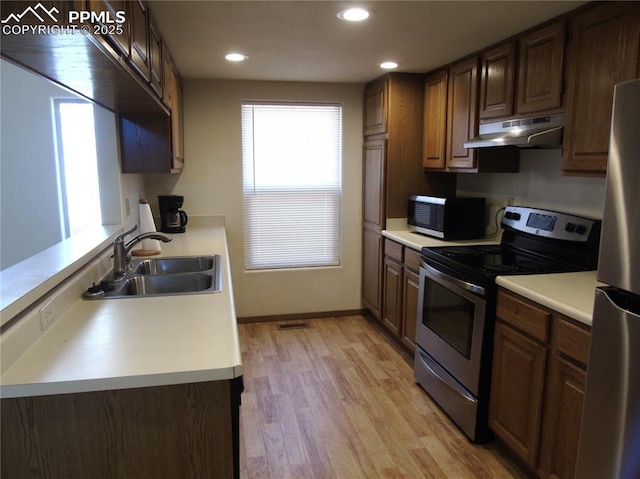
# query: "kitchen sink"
x,y
163,277
187,264
156,285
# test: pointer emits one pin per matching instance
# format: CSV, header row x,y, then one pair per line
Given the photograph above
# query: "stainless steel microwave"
x,y
447,218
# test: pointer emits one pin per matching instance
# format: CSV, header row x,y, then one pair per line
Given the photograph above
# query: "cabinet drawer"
x,y
572,340
412,259
523,315
393,250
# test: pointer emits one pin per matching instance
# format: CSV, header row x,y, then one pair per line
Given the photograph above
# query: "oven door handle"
x,y
455,282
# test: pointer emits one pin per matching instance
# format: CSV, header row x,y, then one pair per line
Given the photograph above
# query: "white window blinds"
x,y
292,164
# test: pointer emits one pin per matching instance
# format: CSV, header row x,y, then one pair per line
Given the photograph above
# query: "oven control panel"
x,y
550,224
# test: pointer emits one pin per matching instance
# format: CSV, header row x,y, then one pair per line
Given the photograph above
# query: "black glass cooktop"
x,y
485,262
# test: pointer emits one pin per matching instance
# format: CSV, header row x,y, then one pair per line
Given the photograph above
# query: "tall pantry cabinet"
x,y
392,169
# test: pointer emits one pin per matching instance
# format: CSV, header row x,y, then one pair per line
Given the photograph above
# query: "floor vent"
x,y
287,326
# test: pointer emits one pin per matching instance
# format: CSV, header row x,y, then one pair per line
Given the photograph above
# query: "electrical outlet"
x,y
127,207
46,315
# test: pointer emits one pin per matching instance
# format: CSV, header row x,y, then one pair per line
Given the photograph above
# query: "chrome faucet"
x,y
121,250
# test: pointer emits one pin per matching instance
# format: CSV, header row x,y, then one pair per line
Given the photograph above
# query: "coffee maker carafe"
x,y
172,218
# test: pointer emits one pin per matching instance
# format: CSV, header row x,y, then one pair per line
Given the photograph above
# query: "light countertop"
x,y
416,241
137,342
571,294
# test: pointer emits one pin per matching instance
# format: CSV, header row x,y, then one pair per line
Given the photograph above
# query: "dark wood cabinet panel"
x,y
375,108
540,69
562,419
410,295
603,51
516,391
392,300
139,53
120,39
155,58
177,121
537,387
165,431
372,271
435,120
374,184
462,119
497,81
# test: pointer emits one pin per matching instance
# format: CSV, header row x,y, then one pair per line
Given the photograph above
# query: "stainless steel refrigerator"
x,y
609,445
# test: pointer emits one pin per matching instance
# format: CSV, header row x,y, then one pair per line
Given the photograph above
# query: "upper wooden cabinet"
x,y
140,38
434,136
155,58
375,108
540,68
462,119
118,36
603,51
497,81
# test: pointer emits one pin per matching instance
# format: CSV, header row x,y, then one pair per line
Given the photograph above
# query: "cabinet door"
x,y
562,419
410,293
139,38
155,58
119,39
462,121
376,108
603,51
177,122
372,271
167,77
374,184
392,296
497,81
540,69
435,120
517,384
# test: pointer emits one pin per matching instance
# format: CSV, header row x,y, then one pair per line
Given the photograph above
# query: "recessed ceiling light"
x,y
355,14
389,65
236,57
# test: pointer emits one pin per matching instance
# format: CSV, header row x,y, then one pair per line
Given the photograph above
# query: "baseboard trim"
x,y
298,316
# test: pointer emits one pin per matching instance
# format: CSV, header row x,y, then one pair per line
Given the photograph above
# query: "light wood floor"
x,y
336,400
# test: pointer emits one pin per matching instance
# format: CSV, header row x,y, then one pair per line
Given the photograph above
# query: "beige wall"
x,y
212,184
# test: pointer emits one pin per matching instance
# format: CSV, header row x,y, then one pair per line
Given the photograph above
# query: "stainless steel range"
x,y
457,303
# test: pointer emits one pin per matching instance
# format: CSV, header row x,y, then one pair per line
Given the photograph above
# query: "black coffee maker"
x,y
172,218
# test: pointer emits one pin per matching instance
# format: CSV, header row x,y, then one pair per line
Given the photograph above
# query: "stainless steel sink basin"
x,y
187,264
155,285
163,277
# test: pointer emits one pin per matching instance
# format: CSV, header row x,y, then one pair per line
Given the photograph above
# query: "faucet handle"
x,y
120,237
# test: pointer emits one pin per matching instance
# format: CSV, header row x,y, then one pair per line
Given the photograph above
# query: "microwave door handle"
x,y
455,282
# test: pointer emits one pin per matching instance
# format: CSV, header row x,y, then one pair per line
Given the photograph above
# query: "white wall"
x,y
538,184
212,184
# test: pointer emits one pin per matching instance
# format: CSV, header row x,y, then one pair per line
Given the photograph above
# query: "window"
x,y
292,164
77,166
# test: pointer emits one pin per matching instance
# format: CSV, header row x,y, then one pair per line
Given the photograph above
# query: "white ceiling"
x,y
304,41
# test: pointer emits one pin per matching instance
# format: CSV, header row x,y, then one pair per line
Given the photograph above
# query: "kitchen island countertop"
x,y
137,342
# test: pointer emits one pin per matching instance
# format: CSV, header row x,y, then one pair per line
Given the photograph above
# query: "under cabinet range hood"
x,y
541,132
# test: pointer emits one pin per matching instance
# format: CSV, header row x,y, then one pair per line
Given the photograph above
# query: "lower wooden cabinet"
x,y
400,292
537,388
372,271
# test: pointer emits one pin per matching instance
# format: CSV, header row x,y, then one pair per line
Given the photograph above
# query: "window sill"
x,y
26,282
